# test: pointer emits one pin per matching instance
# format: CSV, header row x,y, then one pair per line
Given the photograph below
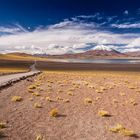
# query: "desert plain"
x,y
71,102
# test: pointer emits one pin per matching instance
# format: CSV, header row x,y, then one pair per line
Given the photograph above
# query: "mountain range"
x,y
96,52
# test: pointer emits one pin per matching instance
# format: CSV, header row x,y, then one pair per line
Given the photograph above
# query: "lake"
x,y
106,61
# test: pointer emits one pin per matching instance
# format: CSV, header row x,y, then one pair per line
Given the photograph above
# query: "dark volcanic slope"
x,y
133,54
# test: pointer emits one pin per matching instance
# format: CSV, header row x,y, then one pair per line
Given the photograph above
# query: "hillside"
x,y
97,52
134,54
19,56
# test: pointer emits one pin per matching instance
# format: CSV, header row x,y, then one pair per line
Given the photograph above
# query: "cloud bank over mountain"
x,y
73,35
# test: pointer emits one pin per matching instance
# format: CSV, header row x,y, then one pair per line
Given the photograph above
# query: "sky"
x,y
68,26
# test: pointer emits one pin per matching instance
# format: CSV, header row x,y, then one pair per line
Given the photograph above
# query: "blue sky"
x,y
68,26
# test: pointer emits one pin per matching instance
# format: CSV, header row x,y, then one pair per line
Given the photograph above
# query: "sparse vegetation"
x,y
87,100
122,93
59,98
36,94
37,105
54,112
66,100
31,99
32,87
97,98
99,90
49,99
122,130
70,93
103,113
2,125
116,128
16,98
115,101
30,91
39,137
116,95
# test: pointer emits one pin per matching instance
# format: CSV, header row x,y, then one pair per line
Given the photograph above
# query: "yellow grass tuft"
x,y
122,93
49,99
99,91
40,89
132,101
117,128
103,88
66,100
37,105
60,91
103,113
126,132
71,89
31,99
122,130
76,86
97,98
16,98
115,101
37,84
54,112
59,98
2,125
30,91
87,100
90,86
36,94
32,87
70,93
131,87
39,137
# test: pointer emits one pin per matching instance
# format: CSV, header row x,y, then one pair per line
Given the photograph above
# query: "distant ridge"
x,y
96,52
19,54
133,54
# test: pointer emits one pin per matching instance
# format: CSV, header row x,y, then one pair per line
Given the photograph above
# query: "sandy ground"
x,y
119,96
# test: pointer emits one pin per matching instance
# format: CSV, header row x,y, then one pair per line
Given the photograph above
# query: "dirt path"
x,y
10,79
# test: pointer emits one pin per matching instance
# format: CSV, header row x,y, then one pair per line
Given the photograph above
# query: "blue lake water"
x,y
105,61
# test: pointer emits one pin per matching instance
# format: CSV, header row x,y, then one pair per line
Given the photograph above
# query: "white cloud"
x,y
132,46
89,16
126,25
126,12
67,24
12,29
64,37
9,30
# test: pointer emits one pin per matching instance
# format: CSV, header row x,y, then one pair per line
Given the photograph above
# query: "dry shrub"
x,y
122,130
2,125
87,100
36,94
103,113
16,98
37,105
54,112
49,99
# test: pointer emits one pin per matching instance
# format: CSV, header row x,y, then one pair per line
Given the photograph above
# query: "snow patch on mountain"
x,y
102,48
